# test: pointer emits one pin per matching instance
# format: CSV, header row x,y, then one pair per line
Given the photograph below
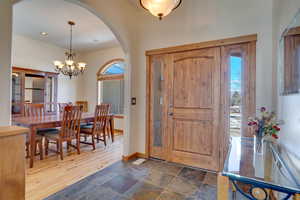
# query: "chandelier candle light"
x,y
160,8
70,67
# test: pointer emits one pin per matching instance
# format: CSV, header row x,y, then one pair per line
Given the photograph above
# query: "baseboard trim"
x,y
133,156
141,155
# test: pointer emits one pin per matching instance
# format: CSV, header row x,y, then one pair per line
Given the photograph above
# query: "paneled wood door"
x,y
194,104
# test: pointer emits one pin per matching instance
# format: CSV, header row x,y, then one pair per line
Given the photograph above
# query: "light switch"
x,y
133,101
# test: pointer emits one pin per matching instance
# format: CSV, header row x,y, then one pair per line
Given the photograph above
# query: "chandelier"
x,y
160,8
69,67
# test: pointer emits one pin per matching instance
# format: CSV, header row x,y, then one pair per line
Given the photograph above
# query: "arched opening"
x,y
82,82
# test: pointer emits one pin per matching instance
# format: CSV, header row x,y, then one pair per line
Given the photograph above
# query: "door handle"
x,y
170,114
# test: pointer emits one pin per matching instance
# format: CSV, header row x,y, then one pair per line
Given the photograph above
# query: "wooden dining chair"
x,y
39,146
34,110
84,105
61,106
70,130
97,129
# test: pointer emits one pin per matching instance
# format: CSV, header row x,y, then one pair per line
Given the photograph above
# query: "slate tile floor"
x,y
153,180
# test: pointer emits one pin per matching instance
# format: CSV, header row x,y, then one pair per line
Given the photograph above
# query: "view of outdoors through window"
x,y
235,95
112,91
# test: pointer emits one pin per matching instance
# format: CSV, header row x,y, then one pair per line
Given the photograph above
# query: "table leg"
x,y
32,145
112,128
223,187
296,197
234,191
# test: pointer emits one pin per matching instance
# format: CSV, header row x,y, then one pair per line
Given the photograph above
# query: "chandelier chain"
x,y
70,67
71,38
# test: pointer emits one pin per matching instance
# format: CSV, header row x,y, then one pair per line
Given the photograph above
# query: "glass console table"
x,y
273,174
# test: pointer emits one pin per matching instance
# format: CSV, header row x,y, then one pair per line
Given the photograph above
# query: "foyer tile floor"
x,y
153,180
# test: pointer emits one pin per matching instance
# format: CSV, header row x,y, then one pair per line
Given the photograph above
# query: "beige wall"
x,y
288,106
203,20
5,60
33,54
88,82
195,21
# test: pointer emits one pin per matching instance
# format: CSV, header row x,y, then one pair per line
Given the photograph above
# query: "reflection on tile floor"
x,y
152,180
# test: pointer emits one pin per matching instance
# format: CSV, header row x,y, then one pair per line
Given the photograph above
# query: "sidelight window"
x,y
235,95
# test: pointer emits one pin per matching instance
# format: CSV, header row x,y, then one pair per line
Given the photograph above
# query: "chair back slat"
x,y
34,110
100,120
71,122
84,105
61,106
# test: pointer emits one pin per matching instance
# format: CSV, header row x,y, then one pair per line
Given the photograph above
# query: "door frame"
x,y
223,101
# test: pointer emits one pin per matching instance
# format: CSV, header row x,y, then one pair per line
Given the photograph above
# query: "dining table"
x,y
52,121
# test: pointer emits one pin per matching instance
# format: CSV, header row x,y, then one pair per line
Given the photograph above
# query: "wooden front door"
x,y
188,100
194,104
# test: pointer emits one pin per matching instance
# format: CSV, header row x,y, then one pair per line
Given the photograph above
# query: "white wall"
x,y
288,106
203,20
33,54
5,61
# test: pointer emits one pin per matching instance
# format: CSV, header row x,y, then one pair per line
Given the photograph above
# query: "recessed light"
x,y
95,40
44,33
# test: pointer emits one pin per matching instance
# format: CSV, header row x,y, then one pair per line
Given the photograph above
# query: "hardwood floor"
x,y
52,174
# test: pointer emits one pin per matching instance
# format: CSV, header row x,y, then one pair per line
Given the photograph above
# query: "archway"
x,y
122,33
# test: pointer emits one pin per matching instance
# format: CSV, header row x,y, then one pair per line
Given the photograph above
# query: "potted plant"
x,y
266,127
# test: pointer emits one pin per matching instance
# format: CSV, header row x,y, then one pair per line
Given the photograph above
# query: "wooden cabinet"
x,y
33,86
12,164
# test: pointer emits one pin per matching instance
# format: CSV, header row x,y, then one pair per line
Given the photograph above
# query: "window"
x,y
111,85
235,95
115,68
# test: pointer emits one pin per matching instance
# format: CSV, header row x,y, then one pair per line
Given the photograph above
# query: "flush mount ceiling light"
x,y
44,33
160,8
69,67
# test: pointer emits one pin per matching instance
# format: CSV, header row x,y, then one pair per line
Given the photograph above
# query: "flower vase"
x,y
258,144
270,139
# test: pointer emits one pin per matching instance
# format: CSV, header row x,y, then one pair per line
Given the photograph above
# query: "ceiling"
x,y
31,17
135,3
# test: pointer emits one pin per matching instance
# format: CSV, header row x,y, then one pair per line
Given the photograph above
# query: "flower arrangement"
x,y
266,124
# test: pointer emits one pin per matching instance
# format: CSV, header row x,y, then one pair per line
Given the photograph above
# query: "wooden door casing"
x,y
194,103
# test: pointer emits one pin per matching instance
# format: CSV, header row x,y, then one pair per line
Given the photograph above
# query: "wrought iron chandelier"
x,y
69,67
160,8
